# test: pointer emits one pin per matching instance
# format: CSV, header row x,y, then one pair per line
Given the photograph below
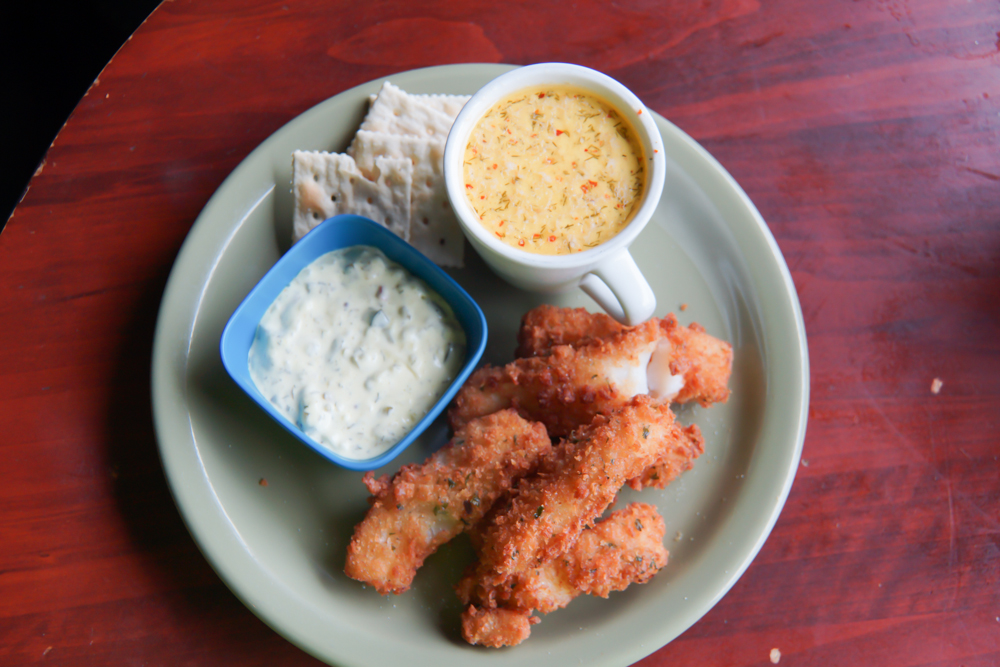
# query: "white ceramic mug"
x,y
607,273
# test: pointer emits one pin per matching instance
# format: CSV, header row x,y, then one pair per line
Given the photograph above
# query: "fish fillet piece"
x,y
567,388
701,363
623,549
424,506
572,486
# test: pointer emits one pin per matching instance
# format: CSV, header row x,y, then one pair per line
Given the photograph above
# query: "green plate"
x,y
281,547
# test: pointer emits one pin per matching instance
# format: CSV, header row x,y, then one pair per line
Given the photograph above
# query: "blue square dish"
x,y
343,231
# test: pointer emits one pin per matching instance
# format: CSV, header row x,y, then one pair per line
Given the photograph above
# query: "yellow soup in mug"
x,y
554,170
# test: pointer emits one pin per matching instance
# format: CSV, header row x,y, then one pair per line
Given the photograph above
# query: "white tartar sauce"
x,y
356,350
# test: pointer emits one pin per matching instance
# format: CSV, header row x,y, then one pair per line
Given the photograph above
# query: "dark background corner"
x,y
51,53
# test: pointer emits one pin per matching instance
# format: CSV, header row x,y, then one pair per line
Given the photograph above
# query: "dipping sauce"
x,y
356,350
554,170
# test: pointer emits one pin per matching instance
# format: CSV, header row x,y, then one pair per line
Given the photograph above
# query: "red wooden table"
x,y
868,135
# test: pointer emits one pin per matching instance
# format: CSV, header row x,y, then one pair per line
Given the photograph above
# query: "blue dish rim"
x,y
342,231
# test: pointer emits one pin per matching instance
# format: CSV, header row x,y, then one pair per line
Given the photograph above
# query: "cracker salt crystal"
x,y
434,229
395,112
326,184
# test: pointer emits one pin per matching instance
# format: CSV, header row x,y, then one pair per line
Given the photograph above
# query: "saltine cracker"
x,y
326,184
434,229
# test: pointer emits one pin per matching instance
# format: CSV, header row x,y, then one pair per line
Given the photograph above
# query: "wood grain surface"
x,y
866,132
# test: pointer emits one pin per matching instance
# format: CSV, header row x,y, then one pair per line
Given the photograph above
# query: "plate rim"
x,y
185,488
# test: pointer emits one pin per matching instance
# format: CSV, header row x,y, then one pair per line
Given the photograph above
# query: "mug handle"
x,y
617,285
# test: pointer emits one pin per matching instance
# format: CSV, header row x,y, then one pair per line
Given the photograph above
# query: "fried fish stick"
x,y
677,457
573,486
623,549
567,388
701,360
424,506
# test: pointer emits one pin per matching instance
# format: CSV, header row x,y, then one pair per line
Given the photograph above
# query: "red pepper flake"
x,y
494,166
536,236
655,151
499,234
558,132
508,131
551,239
262,482
468,185
541,95
639,112
521,242
482,196
501,223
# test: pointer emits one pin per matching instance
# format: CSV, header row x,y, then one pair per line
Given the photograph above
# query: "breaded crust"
x,y
423,506
705,361
496,627
622,549
544,327
572,487
677,458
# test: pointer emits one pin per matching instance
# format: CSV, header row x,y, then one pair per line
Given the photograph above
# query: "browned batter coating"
x,y
624,548
679,457
704,361
566,389
545,327
572,487
424,506
496,627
